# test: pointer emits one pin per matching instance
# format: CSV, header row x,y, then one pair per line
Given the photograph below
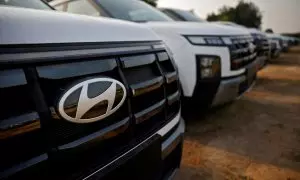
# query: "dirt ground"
x,y
256,137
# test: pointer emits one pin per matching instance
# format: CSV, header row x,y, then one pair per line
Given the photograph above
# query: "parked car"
x,y
292,41
261,41
85,98
181,15
284,43
276,44
216,63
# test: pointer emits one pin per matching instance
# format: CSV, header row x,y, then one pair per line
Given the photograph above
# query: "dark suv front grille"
x,y
145,69
262,44
241,53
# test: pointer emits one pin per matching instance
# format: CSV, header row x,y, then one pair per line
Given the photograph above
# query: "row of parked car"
x,y
100,98
277,42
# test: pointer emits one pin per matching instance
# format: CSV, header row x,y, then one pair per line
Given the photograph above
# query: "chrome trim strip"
x,y
173,98
23,165
75,69
228,90
146,86
163,56
19,125
171,77
95,135
172,142
137,60
161,132
170,125
113,161
12,77
149,112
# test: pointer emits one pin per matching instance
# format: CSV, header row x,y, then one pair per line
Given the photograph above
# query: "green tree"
x,y
245,13
151,2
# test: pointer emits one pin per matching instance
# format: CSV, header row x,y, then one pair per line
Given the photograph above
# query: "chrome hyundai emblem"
x,y
76,106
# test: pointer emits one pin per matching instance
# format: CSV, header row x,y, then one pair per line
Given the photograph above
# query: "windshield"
x,y
35,4
132,10
187,16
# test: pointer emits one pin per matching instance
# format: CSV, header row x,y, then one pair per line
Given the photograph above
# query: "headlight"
x,y
210,66
202,40
227,40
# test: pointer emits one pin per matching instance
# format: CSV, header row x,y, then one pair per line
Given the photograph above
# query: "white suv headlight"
x,y
202,40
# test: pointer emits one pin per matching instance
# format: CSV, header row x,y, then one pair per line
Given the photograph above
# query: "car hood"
x,y
273,35
29,26
196,28
256,31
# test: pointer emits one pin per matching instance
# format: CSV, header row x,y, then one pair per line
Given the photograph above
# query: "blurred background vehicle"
x,y
276,45
181,15
261,41
285,43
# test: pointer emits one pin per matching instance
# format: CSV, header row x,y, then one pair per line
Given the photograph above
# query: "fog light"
x,y
206,73
209,66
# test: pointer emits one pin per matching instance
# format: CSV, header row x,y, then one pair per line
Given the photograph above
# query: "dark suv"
x,y
85,98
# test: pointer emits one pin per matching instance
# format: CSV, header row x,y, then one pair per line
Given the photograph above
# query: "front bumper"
x,y
232,88
210,93
262,61
157,157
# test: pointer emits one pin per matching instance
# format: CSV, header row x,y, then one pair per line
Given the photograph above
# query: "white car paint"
x,y
40,26
232,24
256,31
184,52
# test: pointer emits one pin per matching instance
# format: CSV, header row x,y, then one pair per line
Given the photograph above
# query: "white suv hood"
x,y
29,26
196,28
256,31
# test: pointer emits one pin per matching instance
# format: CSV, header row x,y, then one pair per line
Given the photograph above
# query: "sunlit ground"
x,y
257,137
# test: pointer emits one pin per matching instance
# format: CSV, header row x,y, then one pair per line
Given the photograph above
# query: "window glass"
x,y
188,16
172,15
60,7
35,4
82,7
132,10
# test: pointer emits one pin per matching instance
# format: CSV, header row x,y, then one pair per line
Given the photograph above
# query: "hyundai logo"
x,y
92,100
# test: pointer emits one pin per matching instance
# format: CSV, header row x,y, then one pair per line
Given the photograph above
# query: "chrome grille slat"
x,y
149,112
75,64
114,130
142,76
173,98
144,87
171,77
240,52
